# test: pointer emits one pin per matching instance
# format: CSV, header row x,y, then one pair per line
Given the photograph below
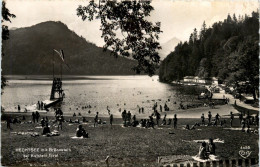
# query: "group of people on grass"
x,y
154,119
211,121
128,120
245,121
59,119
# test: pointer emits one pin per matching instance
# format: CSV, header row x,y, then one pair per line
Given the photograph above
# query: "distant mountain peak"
x,y
13,28
168,47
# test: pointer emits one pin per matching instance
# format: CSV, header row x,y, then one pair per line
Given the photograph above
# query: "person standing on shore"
x,y
217,118
60,120
33,117
96,120
257,119
158,117
175,121
164,120
8,122
209,117
19,108
202,119
151,123
135,122
129,116
37,116
41,105
240,117
38,105
248,117
243,123
124,117
231,118
111,119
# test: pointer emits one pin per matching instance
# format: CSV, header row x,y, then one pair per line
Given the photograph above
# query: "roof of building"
x,y
189,77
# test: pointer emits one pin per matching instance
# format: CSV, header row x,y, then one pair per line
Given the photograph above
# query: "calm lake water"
x,y
125,92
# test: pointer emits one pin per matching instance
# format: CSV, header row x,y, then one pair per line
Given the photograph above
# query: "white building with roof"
x,y
199,80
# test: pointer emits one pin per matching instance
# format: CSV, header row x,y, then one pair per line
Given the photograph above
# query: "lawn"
x,y
130,146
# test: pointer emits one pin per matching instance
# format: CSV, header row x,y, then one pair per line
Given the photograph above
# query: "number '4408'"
x,y
245,147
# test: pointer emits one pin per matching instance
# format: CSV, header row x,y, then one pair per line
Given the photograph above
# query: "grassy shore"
x,y
130,146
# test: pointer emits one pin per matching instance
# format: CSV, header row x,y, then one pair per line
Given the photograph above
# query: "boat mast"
x,y
53,63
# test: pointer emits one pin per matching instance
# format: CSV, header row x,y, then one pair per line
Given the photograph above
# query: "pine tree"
x,y
229,19
6,15
195,35
234,18
203,31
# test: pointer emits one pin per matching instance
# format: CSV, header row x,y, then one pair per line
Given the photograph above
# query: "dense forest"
x,y
227,50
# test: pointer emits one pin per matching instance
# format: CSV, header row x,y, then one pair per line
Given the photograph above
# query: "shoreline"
x,y
222,110
71,77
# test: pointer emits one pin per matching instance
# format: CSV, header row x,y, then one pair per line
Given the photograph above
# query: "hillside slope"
x,y
29,51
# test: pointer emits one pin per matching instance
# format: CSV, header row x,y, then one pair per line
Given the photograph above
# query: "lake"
x,y
125,92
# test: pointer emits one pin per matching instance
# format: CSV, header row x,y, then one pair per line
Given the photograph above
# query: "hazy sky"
x,y
178,17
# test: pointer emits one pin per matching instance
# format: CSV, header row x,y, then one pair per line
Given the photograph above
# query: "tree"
x,y
191,39
6,16
228,50
234,18
195,35
229,19
139,37
203,31
202,70
245,64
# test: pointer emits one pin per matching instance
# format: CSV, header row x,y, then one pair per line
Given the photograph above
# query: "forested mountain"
x,y
227,50
29,51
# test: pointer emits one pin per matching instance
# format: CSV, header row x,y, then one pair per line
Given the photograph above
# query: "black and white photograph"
x,y
131,83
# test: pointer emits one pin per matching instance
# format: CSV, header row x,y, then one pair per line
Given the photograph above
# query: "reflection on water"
x,y
125,92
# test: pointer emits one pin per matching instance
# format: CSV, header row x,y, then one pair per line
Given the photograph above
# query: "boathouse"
x,y
199,80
